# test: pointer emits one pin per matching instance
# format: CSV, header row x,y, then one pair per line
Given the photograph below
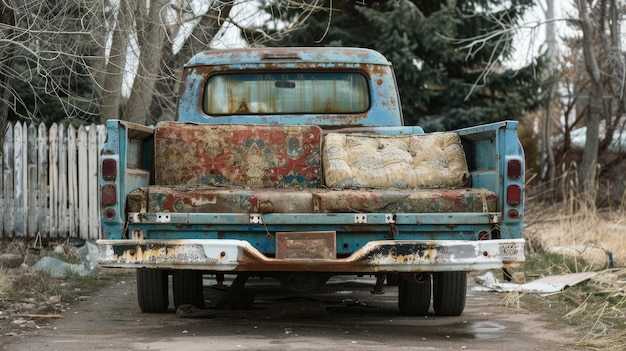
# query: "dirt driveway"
x,y
341,316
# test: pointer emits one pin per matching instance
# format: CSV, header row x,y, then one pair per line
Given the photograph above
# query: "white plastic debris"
x,y
58,268
545,285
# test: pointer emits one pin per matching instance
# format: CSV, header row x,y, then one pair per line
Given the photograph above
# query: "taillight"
x,y
513,195
109,169
514,169
109,196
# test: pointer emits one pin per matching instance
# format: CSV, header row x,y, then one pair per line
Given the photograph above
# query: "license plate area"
x,y
306,245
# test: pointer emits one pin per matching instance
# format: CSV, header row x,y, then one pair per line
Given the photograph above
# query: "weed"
x,y
552,264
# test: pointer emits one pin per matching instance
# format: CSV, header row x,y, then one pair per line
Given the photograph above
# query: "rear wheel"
x,y
414,294
187,288
393,279
152,292
449,292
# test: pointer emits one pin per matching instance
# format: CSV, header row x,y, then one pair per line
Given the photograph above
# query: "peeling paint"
x,y
376,256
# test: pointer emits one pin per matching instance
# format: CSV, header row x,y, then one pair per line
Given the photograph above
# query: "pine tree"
x,y
441,86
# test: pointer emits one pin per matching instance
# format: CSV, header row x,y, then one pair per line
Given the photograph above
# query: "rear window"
x,y
286,93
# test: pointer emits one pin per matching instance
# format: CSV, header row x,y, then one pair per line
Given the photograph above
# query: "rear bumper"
x,y
376,256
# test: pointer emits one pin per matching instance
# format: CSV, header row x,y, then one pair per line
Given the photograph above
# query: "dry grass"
x,y
576,227
45,292
583,239
5,284
604,311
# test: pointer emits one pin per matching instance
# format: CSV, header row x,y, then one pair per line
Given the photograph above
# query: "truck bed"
x,y
295,169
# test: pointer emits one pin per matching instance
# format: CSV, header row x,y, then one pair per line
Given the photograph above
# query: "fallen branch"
x,y
38,316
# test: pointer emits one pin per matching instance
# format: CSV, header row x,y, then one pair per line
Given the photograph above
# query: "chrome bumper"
x,y
377,256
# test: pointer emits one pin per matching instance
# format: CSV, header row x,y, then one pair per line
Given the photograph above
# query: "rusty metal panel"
x,y
285,55
306,245
384,108
375,256
425,222
405,201
238,155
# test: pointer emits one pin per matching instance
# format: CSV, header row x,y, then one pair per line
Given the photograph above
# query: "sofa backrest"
x,y
258,156
394,161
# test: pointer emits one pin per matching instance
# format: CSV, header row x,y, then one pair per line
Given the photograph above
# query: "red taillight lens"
x,y
109,169
513,195
109,196
514,169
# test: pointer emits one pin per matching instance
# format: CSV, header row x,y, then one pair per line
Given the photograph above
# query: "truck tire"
x,y
414,295
449,291
187,288
152,293
393,279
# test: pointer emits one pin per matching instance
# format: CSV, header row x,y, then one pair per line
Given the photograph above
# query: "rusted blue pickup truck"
x,y
294,163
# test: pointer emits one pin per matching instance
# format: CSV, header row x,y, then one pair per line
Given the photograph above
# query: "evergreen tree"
x,y
441,85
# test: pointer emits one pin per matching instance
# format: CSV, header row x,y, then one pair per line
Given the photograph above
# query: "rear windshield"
x,y
287,93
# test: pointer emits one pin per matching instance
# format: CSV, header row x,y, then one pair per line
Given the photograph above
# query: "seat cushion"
x,y
237,155
208,199
405,201
407,161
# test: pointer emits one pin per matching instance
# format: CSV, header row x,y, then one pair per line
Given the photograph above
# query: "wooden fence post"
x,y
32,184
9,229
83,179
72,179
54,180
94,213
42,179
19,183
63,218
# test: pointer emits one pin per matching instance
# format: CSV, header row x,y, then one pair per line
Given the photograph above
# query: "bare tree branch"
x,y
105,46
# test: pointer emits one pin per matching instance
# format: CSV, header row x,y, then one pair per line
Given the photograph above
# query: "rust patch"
x,y
306,245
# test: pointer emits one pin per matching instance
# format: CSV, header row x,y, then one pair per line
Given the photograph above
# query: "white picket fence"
x,y
49,183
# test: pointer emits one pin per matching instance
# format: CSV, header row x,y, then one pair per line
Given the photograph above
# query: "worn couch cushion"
x,y
210,199
405,201
410,161
256,156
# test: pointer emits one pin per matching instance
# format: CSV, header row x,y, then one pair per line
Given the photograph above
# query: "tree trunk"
x,y
166,90
7,58
547,162
98,62
150,44
111,94
590,155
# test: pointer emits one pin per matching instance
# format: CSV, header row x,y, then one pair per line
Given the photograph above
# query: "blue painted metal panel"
x,y
329,56
126,179
384,100
317,218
